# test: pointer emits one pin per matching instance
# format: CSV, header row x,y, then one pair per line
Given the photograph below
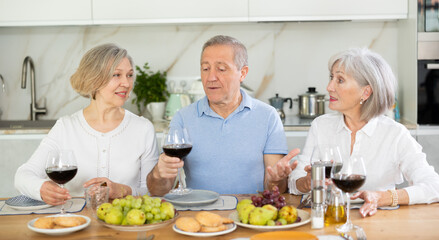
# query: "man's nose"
x,y
212,76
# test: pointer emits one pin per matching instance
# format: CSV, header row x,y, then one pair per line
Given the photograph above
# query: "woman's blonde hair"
x,y
96,68
369,68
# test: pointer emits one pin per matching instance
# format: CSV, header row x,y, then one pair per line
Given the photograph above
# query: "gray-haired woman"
x,y
362,88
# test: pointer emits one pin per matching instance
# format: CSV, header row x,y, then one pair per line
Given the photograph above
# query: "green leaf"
x,y
149,87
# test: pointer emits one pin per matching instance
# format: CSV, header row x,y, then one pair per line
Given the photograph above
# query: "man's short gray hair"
x,y
240,51
369,68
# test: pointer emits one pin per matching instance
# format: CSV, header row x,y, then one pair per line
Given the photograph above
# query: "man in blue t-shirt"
x,y
239,145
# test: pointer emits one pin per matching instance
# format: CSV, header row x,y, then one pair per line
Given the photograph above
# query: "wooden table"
x,y
408,222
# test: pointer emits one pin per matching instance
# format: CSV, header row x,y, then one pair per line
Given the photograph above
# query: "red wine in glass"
x,y
348,183
349,178
177,150
177,143
61,175
61,168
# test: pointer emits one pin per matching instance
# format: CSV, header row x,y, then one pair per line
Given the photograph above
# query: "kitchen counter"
x,y
291,123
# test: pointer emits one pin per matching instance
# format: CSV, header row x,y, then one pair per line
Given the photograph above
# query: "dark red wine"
x,y
61,175
349,183
177,150
328,167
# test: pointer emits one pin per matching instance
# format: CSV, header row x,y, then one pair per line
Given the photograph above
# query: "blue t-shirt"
x,y
227,154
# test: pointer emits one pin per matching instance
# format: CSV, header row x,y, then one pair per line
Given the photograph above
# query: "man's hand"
x,y
167,167
282,168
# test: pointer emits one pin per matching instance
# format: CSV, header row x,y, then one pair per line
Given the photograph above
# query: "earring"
x,y
361,101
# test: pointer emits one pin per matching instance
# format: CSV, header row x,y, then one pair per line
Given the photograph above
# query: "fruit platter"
x,y
136,214
268,211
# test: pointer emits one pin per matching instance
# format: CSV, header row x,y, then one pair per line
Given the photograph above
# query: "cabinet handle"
x,y
433,66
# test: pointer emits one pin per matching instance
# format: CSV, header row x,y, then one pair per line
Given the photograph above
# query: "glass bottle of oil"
x,y
335,211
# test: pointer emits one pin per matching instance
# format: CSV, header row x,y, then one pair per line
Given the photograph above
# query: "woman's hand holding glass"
x,y
117,190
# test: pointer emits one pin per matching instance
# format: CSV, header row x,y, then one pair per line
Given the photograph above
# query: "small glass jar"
x,y
335,211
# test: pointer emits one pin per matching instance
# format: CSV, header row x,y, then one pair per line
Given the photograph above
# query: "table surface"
x,y
408,222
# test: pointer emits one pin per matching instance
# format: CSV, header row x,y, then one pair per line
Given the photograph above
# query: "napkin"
x,y
223,203
73,205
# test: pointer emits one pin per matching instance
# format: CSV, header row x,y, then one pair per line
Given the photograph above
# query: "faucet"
x,y
34,110
3,83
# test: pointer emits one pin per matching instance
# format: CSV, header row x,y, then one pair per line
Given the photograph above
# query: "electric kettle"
x,y
175,102
278,103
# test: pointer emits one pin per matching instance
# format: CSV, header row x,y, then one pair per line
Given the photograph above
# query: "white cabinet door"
x,y
45,12
168,11
326,10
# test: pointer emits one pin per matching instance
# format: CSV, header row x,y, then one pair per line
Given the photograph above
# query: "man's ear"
x,y
244,71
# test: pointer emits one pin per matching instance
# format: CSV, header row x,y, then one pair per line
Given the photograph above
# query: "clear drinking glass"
x,y
328,156
349,178
177,143
61,167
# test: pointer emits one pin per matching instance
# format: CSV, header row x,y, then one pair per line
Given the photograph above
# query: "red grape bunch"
x,y
266,197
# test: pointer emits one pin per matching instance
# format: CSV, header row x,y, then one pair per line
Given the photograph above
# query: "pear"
x,y
103,209
289,213
168,209
114,216
273,209
242,203
260,216
244,213
136,217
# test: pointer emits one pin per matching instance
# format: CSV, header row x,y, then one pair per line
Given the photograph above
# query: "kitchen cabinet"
x,y
15,150
324,10
168,11
428,137
45,12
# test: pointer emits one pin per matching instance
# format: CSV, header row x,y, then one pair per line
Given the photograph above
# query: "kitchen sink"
x,y
26,124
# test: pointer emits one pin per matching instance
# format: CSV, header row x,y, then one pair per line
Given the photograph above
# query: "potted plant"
x,y
151,92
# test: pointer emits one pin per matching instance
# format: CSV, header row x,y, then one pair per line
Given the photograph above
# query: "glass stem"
x,y
180,178
63,211
348,208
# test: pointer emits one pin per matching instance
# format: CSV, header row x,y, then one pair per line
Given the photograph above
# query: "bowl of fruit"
x,y
136,214
268,211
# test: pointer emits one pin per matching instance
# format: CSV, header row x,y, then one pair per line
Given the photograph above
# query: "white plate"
x,y
305,218
61,231
230,228
24,203
194,198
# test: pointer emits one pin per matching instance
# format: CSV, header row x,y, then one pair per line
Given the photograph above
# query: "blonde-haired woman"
x,y
362,88
110,143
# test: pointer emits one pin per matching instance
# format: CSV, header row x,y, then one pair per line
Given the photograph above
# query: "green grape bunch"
x,y
135,211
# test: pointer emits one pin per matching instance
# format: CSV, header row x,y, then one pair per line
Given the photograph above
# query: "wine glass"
x,y
177,143
327,156
61,168
349,178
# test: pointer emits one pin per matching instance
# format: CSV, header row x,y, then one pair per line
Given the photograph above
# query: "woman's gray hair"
x,y
369,68
96,68
240,51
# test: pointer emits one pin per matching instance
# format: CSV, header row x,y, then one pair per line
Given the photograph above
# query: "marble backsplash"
x,y
284,58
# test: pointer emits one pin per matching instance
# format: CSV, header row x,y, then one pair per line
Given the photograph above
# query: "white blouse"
x,y
389,152
125,155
